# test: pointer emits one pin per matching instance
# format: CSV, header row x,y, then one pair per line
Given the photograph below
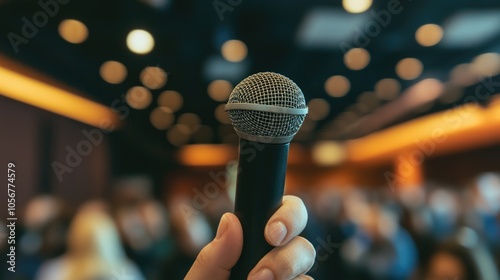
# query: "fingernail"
x,y
263,274
222,227
276,232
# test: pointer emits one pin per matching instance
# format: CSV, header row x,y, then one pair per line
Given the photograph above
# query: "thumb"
x,y
217,258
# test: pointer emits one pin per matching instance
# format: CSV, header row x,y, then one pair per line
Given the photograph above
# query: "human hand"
x,y
292,257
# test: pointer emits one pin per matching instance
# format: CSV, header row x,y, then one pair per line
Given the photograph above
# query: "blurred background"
x,y
112,112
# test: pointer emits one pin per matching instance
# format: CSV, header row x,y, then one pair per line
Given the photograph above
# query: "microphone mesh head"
x,y
273,89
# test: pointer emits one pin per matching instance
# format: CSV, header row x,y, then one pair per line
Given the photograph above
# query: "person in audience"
x,y
464,256
94,250
380,248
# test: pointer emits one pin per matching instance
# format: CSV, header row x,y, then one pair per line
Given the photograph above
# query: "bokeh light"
x,y
486,65
190,120
113,72
356,6
221,115
234,50
463,75
153,77
337,86
387,89
328,153
357,58
171,99
178,135
138,97
162,118
219,90
409,68
140,41
429,35
73,31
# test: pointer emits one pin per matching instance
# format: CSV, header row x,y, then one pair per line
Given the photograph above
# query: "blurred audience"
x,y
426,232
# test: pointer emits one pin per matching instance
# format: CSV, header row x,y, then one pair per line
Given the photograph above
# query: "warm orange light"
x,y
73,31
357,58
221,154
234,50
207,155
113,72
429,35
56,100
409,68
337,86
461,128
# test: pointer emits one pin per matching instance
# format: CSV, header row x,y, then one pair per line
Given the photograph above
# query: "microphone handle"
x,y
259,193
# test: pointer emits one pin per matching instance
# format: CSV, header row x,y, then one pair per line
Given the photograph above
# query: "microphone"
x,y
266,110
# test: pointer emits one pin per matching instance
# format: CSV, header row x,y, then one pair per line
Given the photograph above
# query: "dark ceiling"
x,y
189,32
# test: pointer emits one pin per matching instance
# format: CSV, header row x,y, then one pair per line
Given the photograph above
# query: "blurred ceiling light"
x,y
356,6
206,155
337,86
162,118
216,67
451,93
415,98
471,28
140,41
219,90
158,4
192,121
387,89
486,65
463,75
318,109
221,115
153,77
409,68
178,135
357,58
113,72
429,35
234,50
138,97
56,100
73,31
171,99
326,28
328,153
475,130
204,134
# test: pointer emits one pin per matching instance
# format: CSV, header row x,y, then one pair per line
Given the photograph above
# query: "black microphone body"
x,y
266,110
259,193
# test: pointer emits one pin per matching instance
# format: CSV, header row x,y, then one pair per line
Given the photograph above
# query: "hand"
x,y
290,259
